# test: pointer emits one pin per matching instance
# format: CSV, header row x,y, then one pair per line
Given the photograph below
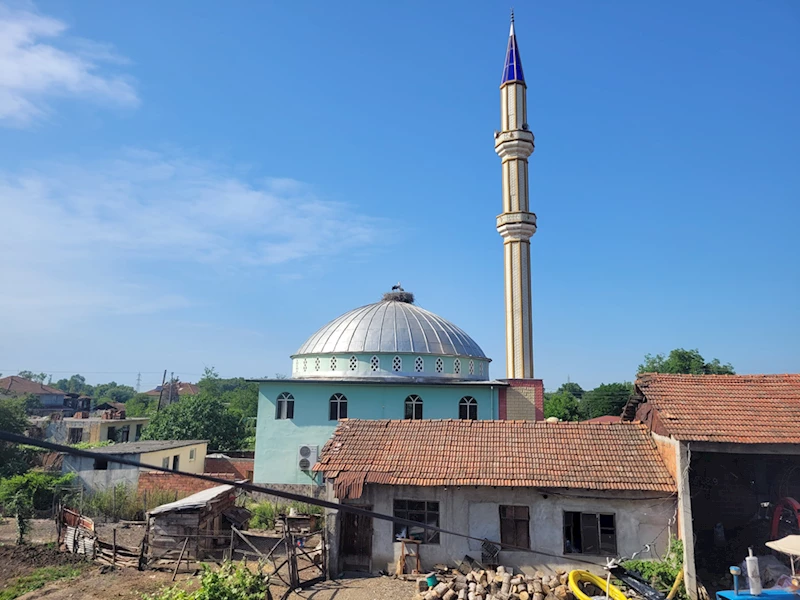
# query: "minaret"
x,y
514,144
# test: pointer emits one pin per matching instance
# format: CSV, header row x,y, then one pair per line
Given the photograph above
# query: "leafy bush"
x,y
21,495
264,514
91,445
233,581
121,502
662,573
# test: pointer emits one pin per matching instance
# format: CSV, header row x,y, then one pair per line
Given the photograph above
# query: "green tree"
x,y
606,399
680,360
572,388
13,420
37,377
114,392
562,405
22,494
75,385
141,405
200,417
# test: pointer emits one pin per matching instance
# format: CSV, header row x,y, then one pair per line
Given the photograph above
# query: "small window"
x,y
413,407
353,363
100,464
397,364
472,367
457,366
515,526
112,434
176,462
480,369
75,435
191,454
305,365
165,462
284,407
375,363
419,511
333,363
316,364
138,435
468,408
590,533
439,365
338,408
419,364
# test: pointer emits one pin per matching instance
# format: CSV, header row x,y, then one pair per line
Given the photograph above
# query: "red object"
x,y
784,503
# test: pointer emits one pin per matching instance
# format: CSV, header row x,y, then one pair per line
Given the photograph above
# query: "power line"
x,y
348,508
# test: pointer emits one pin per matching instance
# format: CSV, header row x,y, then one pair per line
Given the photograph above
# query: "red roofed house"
x,y
50,397
732,442
570,492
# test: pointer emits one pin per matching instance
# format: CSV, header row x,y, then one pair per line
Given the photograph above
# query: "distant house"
x,y
110,405
49,397
82,428
568,493
179,388
99,474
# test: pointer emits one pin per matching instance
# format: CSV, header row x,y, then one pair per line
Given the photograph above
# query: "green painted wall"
x,y
277,440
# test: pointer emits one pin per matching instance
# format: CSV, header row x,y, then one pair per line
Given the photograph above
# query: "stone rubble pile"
x,y
488,584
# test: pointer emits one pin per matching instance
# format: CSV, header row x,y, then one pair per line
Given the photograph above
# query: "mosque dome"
x,y
391,338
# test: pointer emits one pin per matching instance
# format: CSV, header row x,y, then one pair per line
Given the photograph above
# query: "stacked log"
x,y
500,584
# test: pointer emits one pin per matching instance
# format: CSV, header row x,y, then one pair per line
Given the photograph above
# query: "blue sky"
x,y
190,184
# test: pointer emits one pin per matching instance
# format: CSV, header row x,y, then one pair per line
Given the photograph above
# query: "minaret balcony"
x,y
516,225
514,144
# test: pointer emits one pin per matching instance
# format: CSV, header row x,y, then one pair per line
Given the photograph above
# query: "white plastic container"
x,y
753,574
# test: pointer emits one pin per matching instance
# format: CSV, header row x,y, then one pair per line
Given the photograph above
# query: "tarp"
x,y
788,545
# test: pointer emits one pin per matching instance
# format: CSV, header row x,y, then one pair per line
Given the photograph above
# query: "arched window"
x,y
305,365
472,367
397,364
468,408
353,363
419,364
480,369
338,407
439,365
413,407
284,406
333,363
375,363
316,364
457,366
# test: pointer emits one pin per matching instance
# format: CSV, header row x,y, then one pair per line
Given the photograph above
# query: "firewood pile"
x,y
489,584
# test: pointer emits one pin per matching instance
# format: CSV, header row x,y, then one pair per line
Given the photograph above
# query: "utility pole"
x,y
161,391
171,385
138,382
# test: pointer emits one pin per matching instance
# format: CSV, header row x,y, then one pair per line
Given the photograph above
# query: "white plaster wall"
x,y
641,518
99,480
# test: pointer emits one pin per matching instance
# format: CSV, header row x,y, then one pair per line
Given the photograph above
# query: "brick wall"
x,y
524,400
184,486
242,468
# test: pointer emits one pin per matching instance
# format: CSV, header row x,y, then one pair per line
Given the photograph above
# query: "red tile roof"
x,y
604,419
741,409
619,456
19,385
184,389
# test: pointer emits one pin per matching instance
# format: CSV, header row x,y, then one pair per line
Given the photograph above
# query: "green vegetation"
x,y
91,445
39,578
121,502
233,581
662,573
21,495
265,513
13,420
684,361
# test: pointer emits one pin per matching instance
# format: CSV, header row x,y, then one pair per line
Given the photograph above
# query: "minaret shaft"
x,y
516,224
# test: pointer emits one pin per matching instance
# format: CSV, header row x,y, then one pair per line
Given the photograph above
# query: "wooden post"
x,y
180,558
233,539
114,546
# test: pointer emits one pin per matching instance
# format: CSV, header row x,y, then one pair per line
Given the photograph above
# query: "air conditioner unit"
x,y
307,457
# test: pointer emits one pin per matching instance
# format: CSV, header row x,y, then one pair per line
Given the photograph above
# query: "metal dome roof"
x,y
391,325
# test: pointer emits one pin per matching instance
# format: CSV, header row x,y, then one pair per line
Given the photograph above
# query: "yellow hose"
x,y
576,577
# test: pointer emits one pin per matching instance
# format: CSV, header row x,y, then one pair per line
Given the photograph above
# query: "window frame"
x,y
284,406
192,454
412,510
335,404
575,530
165,462
375,363
414,403
457,366
397,364
467,407
515,525
439,365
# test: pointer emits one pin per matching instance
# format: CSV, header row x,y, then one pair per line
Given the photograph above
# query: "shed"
x,y
204,519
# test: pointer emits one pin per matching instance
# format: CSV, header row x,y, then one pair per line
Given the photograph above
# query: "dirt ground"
x,y
43,531
105,583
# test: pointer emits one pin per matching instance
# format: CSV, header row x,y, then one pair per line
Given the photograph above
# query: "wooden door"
x,y
356,542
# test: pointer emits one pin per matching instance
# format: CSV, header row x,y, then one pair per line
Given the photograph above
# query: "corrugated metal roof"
x,y
195,501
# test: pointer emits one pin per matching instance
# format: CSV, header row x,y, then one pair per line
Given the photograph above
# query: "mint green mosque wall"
x,y
278,440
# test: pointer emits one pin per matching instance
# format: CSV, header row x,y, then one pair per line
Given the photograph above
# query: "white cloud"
x,y
73,233
33,69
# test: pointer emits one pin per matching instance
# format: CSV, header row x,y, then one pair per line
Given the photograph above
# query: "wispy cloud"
x,y
40,62
72,230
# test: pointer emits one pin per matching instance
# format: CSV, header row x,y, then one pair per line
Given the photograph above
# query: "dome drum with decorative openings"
x,y
391,338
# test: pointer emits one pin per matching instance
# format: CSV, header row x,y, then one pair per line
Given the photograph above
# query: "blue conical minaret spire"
x,y
512,71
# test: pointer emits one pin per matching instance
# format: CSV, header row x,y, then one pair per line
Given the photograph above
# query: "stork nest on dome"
x,y
398,294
